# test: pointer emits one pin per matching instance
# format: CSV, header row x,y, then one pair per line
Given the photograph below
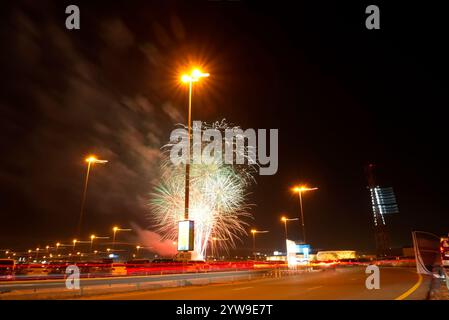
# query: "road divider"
x,y
56,289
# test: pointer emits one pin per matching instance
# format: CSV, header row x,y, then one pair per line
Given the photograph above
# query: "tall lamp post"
x,y
254,232
115,230
300,190
194,76
92,238
284,219
90,161
74,244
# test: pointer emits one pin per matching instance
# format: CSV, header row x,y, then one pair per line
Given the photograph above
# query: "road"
x,y
339,284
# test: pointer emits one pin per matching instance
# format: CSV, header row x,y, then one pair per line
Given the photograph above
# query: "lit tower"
x,y
383,202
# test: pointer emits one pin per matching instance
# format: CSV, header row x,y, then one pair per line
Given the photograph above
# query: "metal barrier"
x,y
56,289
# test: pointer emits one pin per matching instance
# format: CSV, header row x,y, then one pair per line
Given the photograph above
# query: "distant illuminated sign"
x,y
306,253
185,235
303,248
383,202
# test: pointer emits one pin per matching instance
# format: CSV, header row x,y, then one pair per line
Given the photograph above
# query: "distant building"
x,y
408,252
336,255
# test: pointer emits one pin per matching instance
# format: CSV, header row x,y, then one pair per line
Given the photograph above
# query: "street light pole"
x,y
90,160
300,190
285,227
194,76
254,231
115,230
302,217
83,201
92,237
284,219
187,182
254,243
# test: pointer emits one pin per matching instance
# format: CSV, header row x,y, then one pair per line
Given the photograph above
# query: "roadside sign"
x,y
185,235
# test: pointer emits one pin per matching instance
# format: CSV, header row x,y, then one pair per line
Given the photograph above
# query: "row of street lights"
x,y
298,189
194,76
93,237
73,244
91,160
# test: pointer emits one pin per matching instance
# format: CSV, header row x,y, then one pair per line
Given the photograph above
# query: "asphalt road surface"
x,y
339,284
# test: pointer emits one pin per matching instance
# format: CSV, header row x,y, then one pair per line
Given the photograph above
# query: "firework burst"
x,y
218,200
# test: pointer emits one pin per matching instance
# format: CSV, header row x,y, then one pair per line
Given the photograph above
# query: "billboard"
x,y
303,249
185,235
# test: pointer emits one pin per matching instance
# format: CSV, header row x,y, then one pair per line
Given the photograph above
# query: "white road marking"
x,y
243,288
314,288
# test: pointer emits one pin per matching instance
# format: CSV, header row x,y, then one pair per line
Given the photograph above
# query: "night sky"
x,y
341,96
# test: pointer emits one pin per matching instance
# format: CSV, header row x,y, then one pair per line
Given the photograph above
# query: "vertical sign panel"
x,y
291,254
185,235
